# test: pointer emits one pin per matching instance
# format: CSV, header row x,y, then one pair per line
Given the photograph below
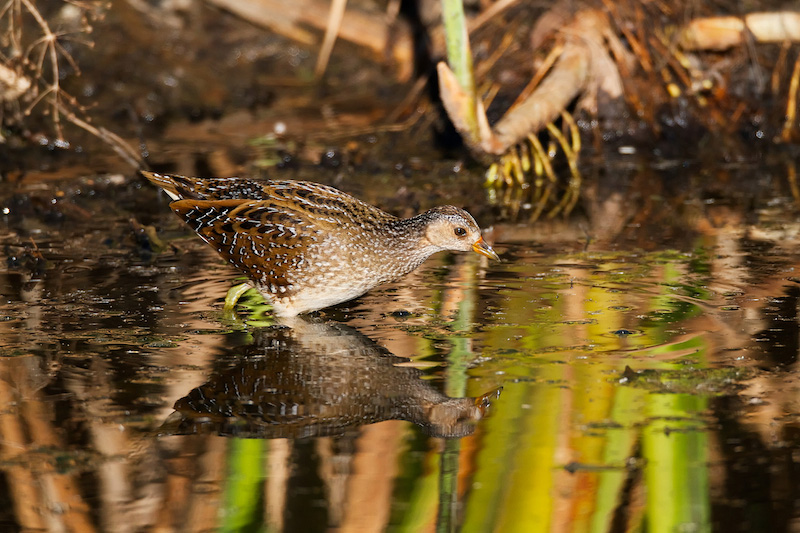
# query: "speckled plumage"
x,y
306,246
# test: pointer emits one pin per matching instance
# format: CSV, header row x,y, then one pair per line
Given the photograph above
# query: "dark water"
x,y
573,386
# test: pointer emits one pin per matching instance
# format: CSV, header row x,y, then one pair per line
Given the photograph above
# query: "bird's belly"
x,y
315,296
326,287
334,272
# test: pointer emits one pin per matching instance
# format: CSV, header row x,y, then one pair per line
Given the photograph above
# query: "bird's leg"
x,y
234,293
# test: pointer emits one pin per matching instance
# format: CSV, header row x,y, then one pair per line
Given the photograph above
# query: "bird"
x,y
306,246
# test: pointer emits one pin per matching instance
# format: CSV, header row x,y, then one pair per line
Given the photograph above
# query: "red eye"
x,y
460,232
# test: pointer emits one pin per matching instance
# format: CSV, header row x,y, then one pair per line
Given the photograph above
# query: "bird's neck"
x,y
407,241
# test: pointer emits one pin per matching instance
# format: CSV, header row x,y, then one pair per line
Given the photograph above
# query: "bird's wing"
x,y
264,240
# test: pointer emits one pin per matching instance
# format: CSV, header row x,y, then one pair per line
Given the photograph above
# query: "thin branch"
x,y
112,139
331,31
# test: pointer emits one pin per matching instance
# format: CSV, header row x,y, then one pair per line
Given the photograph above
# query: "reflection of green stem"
x,y
460,353
455,386
496,460
674,448
459,55
422,498
620,444
448,487
243,489
676,474
527,502
556,412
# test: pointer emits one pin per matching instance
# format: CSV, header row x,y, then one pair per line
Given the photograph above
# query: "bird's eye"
x,y
460,232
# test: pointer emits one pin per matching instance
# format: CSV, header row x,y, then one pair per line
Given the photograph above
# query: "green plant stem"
x,y
459,55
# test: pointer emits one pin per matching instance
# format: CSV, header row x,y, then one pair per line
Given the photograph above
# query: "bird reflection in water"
x,y
317,379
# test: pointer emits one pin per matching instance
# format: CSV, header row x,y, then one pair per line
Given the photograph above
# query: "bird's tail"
x,y
177,187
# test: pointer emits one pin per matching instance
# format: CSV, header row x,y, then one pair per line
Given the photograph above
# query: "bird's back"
x,y
324,204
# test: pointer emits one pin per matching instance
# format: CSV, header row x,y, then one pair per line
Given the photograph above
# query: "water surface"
x,y
573,386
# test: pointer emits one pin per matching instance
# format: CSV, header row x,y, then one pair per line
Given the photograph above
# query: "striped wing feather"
x,y
263,240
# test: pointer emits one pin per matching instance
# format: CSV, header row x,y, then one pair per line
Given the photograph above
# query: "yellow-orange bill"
x,y
482,248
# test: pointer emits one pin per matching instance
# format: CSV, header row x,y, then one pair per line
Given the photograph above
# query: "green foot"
x,y
234,293
255,307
